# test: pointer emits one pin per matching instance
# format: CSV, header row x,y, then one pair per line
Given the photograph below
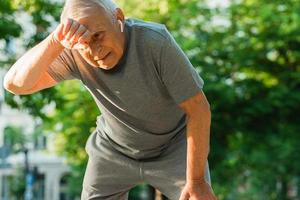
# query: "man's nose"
x,y
95,50
96,58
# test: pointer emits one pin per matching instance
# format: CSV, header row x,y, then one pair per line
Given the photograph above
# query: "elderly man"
x,y
154,125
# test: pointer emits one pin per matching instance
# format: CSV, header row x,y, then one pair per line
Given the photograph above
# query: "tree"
x,y
14,139
247,52
9,29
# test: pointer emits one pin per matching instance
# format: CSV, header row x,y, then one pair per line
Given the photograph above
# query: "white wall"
x,y
9,116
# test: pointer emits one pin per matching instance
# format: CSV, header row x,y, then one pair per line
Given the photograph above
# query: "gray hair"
x,y
76,8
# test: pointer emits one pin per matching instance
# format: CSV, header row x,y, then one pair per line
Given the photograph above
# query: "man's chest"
x,y
136,89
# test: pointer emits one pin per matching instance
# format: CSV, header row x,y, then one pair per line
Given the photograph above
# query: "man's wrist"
x,y
55,42
196,181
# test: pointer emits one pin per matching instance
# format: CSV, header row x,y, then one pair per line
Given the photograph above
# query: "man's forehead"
x,y
93,16
93,23
78,9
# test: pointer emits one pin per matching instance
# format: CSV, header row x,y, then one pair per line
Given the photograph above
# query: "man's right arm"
x,y
31,68
29,74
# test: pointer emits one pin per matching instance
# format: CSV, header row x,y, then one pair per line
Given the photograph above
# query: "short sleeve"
x,y
63,67
177,73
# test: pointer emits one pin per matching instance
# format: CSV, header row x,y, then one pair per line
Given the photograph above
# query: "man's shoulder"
x,y
150,31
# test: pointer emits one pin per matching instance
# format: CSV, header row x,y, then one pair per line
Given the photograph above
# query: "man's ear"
x,y
119,14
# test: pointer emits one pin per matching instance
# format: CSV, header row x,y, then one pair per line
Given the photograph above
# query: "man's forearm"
x,y
28,69
198,138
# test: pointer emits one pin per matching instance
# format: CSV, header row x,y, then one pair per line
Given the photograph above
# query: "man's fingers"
x,y
211,196
85,37
67,26
72,30
184,196
71,34
80,31
58,33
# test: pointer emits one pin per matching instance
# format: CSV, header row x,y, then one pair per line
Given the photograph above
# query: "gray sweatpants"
x,y
110,174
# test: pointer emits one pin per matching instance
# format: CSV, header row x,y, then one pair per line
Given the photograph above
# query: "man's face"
x,y
106,46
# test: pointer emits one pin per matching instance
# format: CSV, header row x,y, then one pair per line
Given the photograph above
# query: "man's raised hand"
x,y
72,34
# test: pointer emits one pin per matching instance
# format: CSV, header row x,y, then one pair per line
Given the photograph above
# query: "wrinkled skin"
x,y
99,33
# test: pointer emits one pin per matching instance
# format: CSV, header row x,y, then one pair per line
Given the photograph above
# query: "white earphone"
x,y
121,25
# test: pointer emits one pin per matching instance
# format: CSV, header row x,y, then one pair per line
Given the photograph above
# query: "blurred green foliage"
x,y
247,52
18,189
14,139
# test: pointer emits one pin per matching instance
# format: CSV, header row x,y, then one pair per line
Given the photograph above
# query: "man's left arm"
x,y
198,114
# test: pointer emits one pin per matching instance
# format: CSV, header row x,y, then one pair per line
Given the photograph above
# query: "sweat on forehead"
x,y
77,9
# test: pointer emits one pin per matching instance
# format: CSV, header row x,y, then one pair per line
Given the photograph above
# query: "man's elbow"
x,y
10,87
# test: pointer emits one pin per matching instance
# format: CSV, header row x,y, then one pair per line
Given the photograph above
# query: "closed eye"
x,y
98,35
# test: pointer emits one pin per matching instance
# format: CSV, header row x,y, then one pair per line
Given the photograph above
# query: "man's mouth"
x,y
103,58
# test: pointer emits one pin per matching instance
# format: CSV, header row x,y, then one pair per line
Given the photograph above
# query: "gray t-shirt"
x,y
138,98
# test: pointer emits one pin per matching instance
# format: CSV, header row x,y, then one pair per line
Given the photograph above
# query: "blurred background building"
x,y
20,149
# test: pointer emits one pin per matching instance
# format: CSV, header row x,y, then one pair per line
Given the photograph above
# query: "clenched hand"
x,y
197,190
72,34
